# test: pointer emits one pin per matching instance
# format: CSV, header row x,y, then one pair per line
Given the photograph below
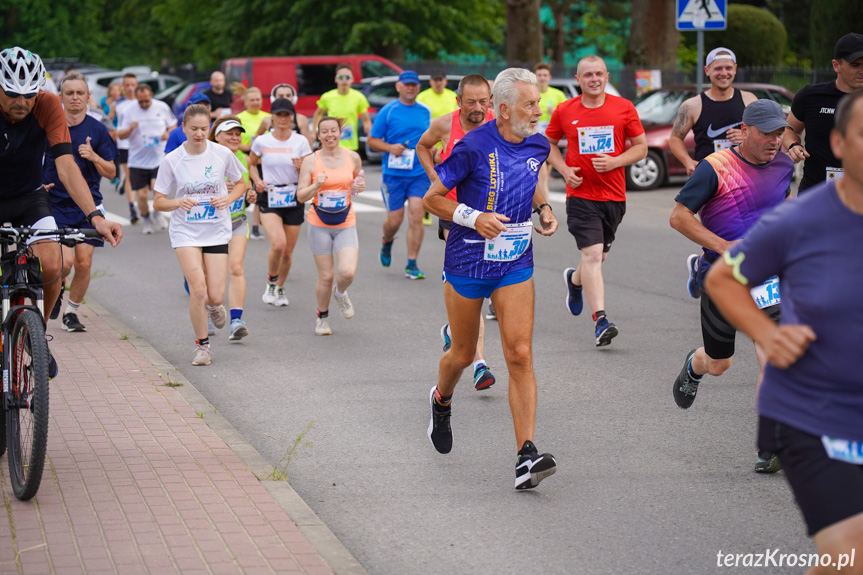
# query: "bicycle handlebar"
x,y
16,235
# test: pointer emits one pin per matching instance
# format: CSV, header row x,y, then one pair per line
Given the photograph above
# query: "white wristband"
x,y
465,215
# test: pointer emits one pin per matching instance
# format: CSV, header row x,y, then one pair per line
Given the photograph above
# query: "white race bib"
x,y
596,140
237,207
721,144
843,450
203,212
333,200
767,294
151,142
282,196
403,162
509,245
347,132
834,174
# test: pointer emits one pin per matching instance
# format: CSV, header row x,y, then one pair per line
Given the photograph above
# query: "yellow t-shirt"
x,y
348,106
251,123
440,104
548,101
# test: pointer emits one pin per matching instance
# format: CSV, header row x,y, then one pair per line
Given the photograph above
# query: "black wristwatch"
x,y
791,147
539,208
93,214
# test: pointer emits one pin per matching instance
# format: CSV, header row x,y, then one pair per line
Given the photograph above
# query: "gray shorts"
x,y
241,228
325,241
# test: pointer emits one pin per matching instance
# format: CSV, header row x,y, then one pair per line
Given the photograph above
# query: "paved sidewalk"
x,y
142,477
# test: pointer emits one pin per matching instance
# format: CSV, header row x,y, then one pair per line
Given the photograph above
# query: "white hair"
x,y
505,89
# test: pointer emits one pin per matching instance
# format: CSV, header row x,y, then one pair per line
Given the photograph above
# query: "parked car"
x,y
380,92
178,95
311,75
657,110
99,81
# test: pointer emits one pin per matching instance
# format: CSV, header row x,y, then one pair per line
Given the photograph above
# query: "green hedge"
x,y
755,35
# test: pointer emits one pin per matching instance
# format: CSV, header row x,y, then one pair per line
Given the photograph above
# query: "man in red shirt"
x,y
596,126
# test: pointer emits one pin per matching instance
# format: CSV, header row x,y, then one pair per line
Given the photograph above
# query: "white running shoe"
x,y
269,294
148,228
161,220
203,355
217,315
281,298
345,305
322,326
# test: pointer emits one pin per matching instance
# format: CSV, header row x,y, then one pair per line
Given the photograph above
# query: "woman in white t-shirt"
x,y
280,153
194,174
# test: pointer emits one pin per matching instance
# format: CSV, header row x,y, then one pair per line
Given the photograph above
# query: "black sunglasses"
x,y
17,95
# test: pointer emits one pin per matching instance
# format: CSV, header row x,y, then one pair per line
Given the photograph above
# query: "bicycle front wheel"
x,y
27,408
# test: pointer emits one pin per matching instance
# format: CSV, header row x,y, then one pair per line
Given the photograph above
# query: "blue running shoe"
x,y
692,268
185,284
386,255
605,332
414,273
444,335
483,378
574,301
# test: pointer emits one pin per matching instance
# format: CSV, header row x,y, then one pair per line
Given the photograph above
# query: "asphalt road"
x,y
642,486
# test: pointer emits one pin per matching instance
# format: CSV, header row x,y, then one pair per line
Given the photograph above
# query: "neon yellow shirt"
x,y
251,123
548,101
440,104
349,107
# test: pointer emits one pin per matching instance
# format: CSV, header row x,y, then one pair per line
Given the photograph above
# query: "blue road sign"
x,y
702,14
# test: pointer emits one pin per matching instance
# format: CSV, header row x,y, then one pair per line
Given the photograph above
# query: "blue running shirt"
x,y
492,175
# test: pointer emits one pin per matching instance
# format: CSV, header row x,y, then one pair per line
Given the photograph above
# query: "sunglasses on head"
x,y
17,94
343,77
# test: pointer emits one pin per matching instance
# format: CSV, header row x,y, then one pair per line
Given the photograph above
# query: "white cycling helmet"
x,y
21,71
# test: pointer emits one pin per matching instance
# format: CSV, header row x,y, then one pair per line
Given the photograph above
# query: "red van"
x,y
311,75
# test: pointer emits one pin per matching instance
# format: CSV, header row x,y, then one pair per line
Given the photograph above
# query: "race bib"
x,y
767,294
403,162
843,450
282,196
510,244
834,174
333,200
203,212
721,144
237,206
151,142
347,132
596,140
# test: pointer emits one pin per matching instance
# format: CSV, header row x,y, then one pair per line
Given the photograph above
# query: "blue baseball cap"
x,y
409,77
198,98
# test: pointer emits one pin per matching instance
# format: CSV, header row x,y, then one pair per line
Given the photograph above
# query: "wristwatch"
x,y
540,206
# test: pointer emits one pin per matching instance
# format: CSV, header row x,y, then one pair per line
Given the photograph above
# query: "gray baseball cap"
x,y
766,115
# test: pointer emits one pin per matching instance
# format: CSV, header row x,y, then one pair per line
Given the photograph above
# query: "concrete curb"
x,y
319,535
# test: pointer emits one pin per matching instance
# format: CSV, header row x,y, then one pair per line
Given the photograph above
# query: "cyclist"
x,y
32,121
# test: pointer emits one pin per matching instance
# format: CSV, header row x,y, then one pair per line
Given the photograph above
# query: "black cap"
x,y
437,75
282,105
849,47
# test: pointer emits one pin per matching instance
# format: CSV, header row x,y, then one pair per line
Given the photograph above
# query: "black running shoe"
x,y
55,313
531,467
685,386
439,431
768,462
71,323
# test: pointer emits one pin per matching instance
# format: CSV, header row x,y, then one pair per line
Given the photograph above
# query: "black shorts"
x,y
827,490
220,249
140,178
591,222
294,216
717,334
123,156
26,210
442,225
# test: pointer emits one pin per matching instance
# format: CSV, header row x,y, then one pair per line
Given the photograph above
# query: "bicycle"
x,y
24,350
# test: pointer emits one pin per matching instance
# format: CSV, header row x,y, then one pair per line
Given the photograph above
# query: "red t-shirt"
x,y
455,135
591,131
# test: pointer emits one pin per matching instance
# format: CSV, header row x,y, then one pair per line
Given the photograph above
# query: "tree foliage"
x,y
829,21
756,36
602,25
125,32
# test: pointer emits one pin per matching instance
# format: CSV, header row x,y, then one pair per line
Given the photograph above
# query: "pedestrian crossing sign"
x,y
702,14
